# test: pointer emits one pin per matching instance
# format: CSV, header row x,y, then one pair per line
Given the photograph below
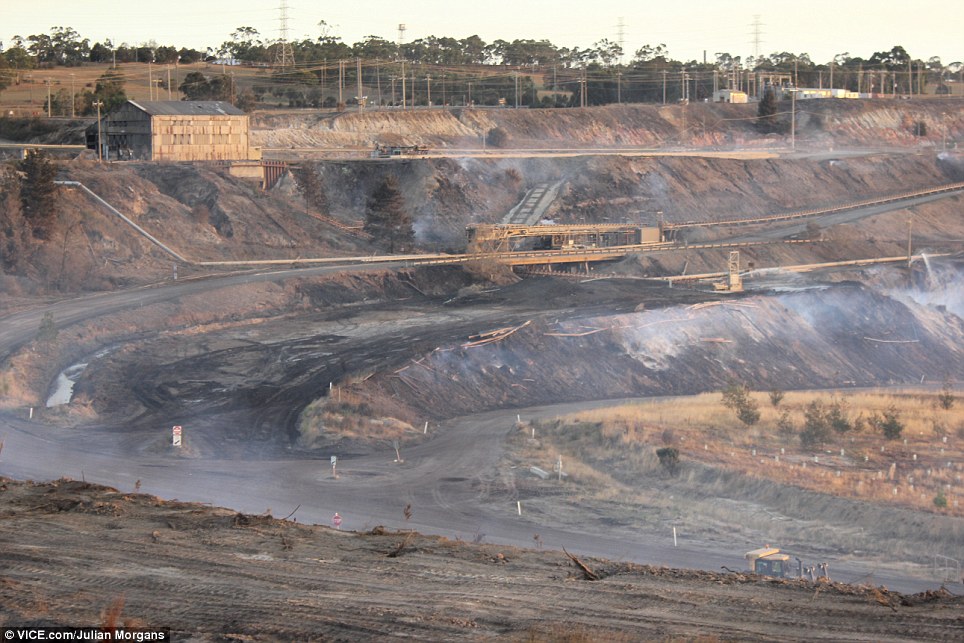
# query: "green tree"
x,y
946,397
38,193
109,90
6,74
387,218
816,426
736,396
767,111
837,417
940,500
889,423
197,86
246,101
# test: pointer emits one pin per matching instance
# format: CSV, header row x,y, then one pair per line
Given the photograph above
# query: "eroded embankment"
x,y
827,122
844,335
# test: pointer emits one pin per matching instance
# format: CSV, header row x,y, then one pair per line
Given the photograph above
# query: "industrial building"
x,y
173,131
730,96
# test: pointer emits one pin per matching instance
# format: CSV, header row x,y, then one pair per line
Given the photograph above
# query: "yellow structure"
x,y
768,561
730,96
512,237
174,131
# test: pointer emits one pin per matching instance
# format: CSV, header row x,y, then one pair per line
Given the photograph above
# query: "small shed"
x,y
173,131
729,96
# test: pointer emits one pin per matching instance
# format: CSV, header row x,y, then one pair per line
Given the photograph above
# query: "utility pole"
x,y
378,82
619,88
358,74
909,223
341,82
793,119
401,56
428,88
73,99
100,149
470,92
664,86
169,82
150,81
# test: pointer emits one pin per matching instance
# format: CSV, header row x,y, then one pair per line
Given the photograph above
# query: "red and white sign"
x,y
336,519
176,434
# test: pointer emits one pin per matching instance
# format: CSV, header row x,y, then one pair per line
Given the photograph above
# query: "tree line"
x,y
445,70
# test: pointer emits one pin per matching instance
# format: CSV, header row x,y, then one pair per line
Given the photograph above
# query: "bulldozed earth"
x,y
390,369
210,574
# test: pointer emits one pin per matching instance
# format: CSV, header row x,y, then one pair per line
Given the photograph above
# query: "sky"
x,y
820,28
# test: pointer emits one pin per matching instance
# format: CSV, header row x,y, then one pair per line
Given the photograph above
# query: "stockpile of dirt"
x,y
847,335
211,574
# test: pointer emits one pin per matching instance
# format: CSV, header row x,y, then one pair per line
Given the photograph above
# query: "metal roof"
x,y
187,108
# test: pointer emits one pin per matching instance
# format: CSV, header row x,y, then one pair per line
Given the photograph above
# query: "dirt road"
x,y
212,574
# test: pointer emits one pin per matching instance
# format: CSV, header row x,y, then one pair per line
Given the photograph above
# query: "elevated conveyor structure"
x,y
533,206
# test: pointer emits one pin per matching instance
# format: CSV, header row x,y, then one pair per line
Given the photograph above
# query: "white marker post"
x,y
334,461
425,430
176,435
518,506
674,536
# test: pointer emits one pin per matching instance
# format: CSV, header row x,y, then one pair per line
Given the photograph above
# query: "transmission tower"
x,y
757,32
285,56
621,37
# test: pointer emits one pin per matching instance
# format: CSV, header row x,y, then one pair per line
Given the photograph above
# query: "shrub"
x,y
785,424
776,396
669,459
736,396
940,500
497,137
946,397
889,424
837,417
816,426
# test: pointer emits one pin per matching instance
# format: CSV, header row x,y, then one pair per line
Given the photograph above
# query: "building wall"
x,y
127,134
200,138
729,96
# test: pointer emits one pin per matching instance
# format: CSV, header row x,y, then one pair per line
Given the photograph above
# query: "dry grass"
x,y
859,464
29,97
345,414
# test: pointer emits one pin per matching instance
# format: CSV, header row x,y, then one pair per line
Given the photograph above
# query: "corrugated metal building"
x,y
174,131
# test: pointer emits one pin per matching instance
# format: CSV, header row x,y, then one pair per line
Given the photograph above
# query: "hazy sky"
x,y
821,28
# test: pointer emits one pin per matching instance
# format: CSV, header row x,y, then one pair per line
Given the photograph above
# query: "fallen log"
x,y
588,573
